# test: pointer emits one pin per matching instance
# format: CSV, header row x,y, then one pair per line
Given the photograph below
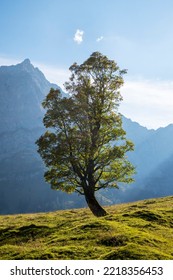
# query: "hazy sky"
x,y
137,34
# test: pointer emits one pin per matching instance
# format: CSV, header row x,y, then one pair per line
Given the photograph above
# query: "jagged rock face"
x,y
22,90
22,186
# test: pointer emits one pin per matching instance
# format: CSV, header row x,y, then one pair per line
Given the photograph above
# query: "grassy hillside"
x,y
140,230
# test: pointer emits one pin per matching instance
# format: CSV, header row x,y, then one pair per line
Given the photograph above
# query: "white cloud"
x,y
78,37
99,39
150,103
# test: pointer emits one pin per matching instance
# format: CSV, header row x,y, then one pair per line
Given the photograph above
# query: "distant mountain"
x,y
22,89
162,178
153,159
154,150
22,187
135,132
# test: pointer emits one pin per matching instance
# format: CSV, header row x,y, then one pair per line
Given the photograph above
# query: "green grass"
x,y
140,230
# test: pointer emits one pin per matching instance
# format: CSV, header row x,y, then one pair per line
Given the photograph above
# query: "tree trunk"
x,y
93,204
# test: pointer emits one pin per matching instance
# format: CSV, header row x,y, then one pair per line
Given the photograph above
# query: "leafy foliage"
x,y
85,146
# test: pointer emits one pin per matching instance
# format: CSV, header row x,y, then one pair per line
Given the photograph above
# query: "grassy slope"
x,y
140,230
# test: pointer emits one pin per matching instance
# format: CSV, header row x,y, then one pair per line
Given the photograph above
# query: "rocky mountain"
x,y
22,187
22,89
154,150
137,133
153,159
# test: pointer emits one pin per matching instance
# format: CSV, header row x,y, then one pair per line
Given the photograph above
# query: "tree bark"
x,y
93,204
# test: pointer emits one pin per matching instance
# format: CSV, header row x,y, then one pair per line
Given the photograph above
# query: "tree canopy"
x,y
85,146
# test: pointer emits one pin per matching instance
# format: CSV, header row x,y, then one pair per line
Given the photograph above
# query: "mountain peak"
x,y
26,62
25,65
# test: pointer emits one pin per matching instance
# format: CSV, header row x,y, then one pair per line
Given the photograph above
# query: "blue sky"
x,y
137,34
